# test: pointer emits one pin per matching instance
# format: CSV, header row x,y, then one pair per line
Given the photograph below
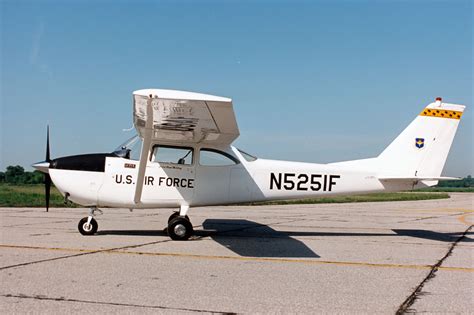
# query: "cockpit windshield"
x,y
130,149
247,157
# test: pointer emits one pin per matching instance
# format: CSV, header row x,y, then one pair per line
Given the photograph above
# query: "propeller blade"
x,y
47,146
47,189
47,178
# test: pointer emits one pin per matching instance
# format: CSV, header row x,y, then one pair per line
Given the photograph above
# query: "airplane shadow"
x,y
252,239
424,234
232,234
436,236
263,241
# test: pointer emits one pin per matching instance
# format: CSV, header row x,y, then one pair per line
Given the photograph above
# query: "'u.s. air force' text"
x,y
161,181
303,182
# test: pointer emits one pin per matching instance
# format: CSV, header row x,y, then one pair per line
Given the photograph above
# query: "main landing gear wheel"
x,y
180,229
87,228
175,215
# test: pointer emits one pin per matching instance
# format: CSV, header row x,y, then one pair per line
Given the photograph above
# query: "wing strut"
x,y
145,154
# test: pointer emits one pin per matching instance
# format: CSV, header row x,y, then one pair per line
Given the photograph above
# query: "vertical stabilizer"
x,y
422,148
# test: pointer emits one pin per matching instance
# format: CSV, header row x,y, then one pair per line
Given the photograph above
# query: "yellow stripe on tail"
x,y
441,113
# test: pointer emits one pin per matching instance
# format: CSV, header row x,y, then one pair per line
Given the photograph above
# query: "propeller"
x,y
47,178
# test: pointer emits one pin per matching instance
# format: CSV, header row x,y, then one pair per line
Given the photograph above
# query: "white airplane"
x,y
186,160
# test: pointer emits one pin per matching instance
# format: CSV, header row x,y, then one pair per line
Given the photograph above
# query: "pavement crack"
x,y
82,254
35,223
405,306
62,299
431,217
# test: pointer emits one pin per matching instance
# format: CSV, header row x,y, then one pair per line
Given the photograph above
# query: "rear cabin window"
x,y
174,155
210,157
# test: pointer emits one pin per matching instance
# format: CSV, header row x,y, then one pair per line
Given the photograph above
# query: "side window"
x,y
208,157
175,155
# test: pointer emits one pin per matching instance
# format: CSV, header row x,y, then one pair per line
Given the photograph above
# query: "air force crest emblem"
x,y
419,142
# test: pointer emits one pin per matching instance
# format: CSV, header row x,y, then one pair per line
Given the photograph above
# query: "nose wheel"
x,y
87,228
88,225
179,228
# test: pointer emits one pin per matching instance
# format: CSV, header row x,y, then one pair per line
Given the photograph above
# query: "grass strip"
x,y
33,196
376,197
30,196
448,189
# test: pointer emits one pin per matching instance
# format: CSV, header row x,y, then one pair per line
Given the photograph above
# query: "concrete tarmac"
x,y
387,257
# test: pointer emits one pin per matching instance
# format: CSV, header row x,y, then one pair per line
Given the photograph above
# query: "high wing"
x,y
180,116
169,116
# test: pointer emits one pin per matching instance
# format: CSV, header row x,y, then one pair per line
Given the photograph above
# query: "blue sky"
x,y
315,81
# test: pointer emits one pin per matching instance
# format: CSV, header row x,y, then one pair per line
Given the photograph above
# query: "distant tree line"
x,y
465,182
17,175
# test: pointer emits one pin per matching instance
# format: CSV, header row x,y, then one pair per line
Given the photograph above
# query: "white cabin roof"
x,y
181,95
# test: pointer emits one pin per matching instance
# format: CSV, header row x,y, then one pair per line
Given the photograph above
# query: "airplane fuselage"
x,y
109,181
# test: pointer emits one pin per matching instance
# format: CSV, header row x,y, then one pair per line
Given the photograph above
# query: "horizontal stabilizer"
x,y
394,183
417,178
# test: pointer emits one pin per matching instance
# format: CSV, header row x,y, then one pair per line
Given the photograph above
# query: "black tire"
x,y
175,215
180,229
84,229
